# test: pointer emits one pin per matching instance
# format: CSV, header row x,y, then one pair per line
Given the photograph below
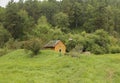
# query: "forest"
x,y
87,25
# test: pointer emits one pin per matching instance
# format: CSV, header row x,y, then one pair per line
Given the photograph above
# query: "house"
x,y
56,45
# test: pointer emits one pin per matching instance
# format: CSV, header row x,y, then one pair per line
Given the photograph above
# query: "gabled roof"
x,y
52,43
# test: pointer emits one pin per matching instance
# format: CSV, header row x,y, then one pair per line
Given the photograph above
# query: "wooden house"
x,y
56,45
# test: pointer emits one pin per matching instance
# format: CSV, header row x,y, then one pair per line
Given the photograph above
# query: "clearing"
x,y
49,67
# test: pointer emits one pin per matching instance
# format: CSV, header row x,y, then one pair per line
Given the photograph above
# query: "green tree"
x,y
117,20
48,9
42,29
17,21
11,20
46,32
26,24
103,19
61,20
33,7
4,36
2,14
100,17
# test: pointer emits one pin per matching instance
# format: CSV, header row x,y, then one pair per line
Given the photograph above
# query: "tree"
x,y
104,18
117,20
2,14
61,20
4,36
46,32
48,9
100,17
11,20
26,24
33,8
42,29
17,21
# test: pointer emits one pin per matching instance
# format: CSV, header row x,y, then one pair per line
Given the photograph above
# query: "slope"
x,y
49,67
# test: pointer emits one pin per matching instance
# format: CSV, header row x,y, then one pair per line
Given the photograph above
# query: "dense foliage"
x,y
91,24
33,45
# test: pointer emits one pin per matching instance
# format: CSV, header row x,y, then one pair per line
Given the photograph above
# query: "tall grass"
x,y
49,67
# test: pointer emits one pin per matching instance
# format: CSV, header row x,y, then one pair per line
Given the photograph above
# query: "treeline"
x,y
93,25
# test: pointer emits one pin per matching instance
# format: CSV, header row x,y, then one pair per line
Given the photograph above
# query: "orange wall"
x,y
61,46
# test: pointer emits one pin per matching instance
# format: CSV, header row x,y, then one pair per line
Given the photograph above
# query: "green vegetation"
x,y
92,25
4,36
34,45
84,26
49,67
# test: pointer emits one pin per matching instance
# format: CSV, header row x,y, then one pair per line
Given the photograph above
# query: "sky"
x,y
3,3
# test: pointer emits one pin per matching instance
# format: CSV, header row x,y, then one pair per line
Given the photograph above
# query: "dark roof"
x,y
52,43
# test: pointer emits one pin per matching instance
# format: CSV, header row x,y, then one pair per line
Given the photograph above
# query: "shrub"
x,y
70,45
33,45
3,51
97,43
115,49
96,49
13,44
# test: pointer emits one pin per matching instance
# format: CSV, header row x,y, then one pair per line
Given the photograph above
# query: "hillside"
x,y
90,25
49,67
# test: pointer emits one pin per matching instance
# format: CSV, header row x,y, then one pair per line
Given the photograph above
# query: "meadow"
x,y
50,67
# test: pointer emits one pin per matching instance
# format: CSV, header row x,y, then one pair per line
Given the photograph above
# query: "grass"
x,y
49,67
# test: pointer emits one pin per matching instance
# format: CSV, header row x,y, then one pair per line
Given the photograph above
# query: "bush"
x,y
97,43
33,45
96,49
4,51
13,44
115,49
70,45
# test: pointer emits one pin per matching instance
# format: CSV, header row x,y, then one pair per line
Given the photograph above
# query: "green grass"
x,y
49,67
